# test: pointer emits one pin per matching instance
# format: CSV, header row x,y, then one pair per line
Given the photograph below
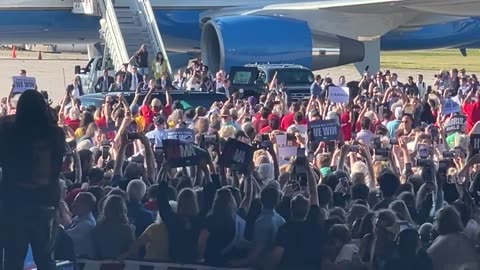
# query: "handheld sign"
x,y
475,139
455,124
236,156
287,145
181,154
339,94
182,134
323,130
449,106
21,84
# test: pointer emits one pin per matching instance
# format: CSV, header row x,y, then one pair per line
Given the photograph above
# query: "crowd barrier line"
x,y
135,265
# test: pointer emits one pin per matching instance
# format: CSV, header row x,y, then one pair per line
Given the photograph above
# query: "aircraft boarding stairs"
x,y
125,26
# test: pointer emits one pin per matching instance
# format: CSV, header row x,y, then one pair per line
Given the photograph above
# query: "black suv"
x,y
255,78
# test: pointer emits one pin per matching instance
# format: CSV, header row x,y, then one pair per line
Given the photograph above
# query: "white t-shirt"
x,y
366,136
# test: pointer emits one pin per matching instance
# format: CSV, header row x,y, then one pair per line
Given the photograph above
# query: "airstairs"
x,y
125,26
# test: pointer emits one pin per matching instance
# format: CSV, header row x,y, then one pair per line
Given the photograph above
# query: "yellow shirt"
x,y
79,133
159,69
140,121
157,245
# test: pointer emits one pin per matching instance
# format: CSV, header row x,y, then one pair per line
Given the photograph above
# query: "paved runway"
x,y
49,71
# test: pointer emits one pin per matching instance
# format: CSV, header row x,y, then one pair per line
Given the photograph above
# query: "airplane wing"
x,y
467,8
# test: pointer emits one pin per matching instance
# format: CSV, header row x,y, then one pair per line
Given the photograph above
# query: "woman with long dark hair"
x,y
32,147
160,68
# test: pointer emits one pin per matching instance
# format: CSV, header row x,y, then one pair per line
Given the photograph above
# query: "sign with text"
x,y
237,156
181,154
456,123
323,130
339,94
475,143
287,145
21,84
450,106
182,134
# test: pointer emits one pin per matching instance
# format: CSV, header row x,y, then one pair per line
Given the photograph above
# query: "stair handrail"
x,y
153,31
113,35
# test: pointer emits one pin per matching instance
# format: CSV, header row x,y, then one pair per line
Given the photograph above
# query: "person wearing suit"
x,y
104,82
119,86
134,79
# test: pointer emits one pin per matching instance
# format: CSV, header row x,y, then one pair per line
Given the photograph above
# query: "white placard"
x,y
20,83
339,94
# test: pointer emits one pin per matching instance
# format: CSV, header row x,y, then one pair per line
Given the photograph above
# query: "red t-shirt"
x,y
287,121
148,114
472,111
73,124
266,129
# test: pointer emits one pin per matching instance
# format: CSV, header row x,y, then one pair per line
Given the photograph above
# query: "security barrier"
x,y
135,265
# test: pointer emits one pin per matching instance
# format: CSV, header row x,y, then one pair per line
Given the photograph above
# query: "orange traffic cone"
x,y
40,55
14,52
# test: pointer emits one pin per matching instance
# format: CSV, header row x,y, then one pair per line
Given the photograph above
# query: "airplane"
x,y
316,34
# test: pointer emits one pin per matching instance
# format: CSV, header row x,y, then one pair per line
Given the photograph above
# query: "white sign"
x,y
339,94
83,7
20,83
450,106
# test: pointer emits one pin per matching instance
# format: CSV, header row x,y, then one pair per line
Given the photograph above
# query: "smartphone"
x,y
423,151
448,154
105,150
353,148
330,146
131,136
408,167
311,156
393,141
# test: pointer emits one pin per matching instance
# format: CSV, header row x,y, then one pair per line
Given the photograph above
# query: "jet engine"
x,y
239,40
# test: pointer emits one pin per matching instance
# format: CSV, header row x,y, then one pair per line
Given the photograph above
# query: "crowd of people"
x,y
398,188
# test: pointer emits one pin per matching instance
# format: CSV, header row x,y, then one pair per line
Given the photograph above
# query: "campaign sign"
x,y
237,156
287,146
181,154
450,106
21,84
339,94
455,124
475,143
323,130
182,134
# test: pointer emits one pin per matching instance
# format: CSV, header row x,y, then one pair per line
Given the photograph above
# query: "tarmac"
x,y
56,70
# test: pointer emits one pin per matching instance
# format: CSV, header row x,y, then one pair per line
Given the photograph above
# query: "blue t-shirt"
x,y
392,126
